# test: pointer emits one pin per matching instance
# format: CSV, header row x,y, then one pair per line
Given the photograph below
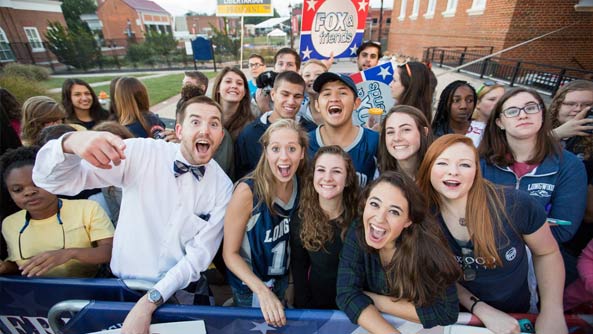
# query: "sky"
x,y
180,7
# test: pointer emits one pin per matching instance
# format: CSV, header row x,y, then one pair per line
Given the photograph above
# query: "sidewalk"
x,y
101,83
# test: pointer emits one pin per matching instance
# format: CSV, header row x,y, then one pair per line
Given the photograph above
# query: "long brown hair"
x,y
37,112
494,146
415,77
243,115
422,267
384,160
263,177
315,228
585,144
97,112
131,102
484,211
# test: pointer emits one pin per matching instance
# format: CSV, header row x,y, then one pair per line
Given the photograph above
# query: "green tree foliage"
x,y
161,43
259,19
75,47
224,43
72,9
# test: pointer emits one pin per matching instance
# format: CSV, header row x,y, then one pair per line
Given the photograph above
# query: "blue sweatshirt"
x,y
559,184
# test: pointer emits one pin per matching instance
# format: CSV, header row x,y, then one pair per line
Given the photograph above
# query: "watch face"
x,y
154,296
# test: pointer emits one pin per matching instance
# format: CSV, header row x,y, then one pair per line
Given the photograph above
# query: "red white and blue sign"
x,y
373,91
332,26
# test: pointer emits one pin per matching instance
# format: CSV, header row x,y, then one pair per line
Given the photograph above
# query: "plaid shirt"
x,y
361,271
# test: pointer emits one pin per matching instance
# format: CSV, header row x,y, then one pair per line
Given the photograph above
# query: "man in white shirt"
x,y
174,199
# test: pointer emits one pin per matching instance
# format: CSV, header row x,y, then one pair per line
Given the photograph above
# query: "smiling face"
x,y
27,196
369,57
523,126
287,98
397,88
285,62
284,153
574,102
200,133
385,216
81,97
336,102
329,176
232,88
462,104
453,172
402,137
310,73
487,102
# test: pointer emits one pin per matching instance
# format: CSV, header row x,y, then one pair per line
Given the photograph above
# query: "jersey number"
x,y
279,252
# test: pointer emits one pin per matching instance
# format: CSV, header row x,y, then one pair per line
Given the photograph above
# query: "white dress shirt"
x,y
160,235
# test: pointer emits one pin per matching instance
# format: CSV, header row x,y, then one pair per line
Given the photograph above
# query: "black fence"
x,y
544,78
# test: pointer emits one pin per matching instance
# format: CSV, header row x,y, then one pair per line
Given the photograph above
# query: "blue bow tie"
x,y
181,168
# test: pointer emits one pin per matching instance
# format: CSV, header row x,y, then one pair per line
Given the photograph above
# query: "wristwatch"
x,y
154,296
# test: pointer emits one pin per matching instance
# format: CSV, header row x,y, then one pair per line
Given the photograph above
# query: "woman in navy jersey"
x,y
257,223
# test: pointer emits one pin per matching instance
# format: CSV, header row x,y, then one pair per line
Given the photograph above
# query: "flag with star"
x,y
332,26
373,91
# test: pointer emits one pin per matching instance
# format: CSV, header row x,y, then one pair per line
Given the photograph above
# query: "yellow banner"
x,y
244,10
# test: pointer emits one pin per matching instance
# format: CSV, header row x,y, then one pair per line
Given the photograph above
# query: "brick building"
x,y
416,24
371,30
23,24
123,19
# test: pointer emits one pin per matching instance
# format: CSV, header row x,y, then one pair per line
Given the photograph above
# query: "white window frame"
x,y
430,9
451,8
478,7
415,9
34,39
6,53
402,10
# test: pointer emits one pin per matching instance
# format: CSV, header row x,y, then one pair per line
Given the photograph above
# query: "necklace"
x,y
462,222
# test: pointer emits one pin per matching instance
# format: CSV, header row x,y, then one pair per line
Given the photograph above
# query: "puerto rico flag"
x,y
373,90
332,26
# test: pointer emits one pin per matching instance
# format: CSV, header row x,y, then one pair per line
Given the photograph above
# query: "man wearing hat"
x,y
336,102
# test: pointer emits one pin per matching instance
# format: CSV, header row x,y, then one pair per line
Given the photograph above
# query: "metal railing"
x,y
542,77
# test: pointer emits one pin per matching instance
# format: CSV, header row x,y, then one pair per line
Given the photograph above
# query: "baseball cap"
x,y
330,77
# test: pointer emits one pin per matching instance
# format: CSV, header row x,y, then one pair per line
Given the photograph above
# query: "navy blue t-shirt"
x,y
363,152
505,287
266,244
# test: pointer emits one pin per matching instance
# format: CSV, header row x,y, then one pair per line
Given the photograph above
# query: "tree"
x,y
75,47
259,19
224,43
72,9
161,43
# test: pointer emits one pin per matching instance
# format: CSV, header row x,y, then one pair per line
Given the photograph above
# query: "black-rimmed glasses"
x,y
530,108
28,221
577,104
255,65
467,259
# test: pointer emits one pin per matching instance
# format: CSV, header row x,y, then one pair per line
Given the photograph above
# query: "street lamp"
x,y
291,34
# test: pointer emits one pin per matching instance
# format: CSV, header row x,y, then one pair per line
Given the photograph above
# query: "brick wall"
x,y
503,23
114,14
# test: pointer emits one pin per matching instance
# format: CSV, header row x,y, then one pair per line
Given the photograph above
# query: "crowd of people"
x,y
475,205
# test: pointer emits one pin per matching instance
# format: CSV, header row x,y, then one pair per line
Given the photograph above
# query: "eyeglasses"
x,y
28,220
488,83
469,273
255,65
580,105
530,108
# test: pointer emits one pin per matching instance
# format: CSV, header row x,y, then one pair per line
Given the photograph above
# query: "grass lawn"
x,y
160,88
57,82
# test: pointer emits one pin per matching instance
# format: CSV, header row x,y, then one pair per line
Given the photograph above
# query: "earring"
x,y
502,128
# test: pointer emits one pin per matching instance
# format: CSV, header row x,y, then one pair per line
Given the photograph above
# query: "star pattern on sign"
x,y
384,72
312,4
262,327
307,53
353,49
362,5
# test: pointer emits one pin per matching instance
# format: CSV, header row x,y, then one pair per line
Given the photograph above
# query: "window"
x,y
478,7
5,50
430,9
451,8
415,9
34,39
402,10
